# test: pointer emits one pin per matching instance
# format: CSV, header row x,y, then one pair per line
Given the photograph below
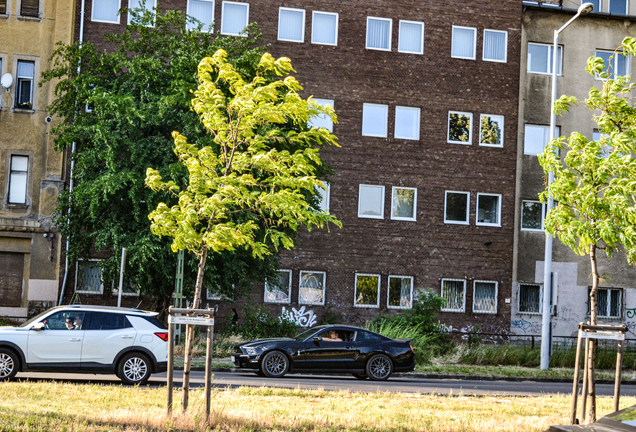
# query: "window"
x,y
532,215
367,290
454,294
203,11
30,8
456,207
459,127
371,202
88,277
324,28
234,17
495,46
324,197
400,295
488,209
530,298
403,203
65,320
374,120
608,302
107,321
618,7
485,297
3,8
106,11
491,130
147,5
407,123
601,139
291,25
411,37
536,138
540,59
18,180
322,120
311,289
379,33
597,4
464,42
24,86
279,291
214,294
616,63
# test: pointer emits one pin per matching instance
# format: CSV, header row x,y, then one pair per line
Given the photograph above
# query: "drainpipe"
x,y
70,186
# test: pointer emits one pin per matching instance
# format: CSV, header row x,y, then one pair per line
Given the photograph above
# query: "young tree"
x,y
595,181
251,173
120,110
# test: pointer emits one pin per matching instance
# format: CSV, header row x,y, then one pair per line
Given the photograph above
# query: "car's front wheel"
x,y
8,364
134,368
275,364
379,367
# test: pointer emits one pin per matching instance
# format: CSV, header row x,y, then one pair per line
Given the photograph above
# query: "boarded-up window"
x,y
30,8
11,267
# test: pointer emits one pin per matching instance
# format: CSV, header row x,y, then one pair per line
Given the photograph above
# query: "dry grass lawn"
x,y
57,406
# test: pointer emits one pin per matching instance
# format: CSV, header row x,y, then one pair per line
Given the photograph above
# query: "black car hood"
x,y
265,341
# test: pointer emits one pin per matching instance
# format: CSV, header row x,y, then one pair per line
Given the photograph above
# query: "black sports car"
x,y
331,349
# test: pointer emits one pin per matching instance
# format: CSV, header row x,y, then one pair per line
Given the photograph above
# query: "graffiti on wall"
x,y
304,318
631,313
521,324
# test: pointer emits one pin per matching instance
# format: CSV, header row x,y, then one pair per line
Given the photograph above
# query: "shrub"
x,y
258,323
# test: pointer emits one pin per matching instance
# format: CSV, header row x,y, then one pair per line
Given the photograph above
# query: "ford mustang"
x,y
328,349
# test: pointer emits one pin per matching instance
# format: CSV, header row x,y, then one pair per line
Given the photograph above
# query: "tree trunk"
x,y
592,352
189,342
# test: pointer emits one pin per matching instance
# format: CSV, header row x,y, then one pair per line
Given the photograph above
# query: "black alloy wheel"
x,y
274,364
379,367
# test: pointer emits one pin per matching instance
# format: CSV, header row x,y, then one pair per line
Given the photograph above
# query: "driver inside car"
x,y
332,336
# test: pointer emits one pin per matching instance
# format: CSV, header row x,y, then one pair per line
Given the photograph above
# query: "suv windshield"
x,y
35,318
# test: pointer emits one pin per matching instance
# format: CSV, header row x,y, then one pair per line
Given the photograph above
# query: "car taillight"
x,y
162,336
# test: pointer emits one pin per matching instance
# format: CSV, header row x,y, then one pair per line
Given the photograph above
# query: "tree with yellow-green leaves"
x,y
249,188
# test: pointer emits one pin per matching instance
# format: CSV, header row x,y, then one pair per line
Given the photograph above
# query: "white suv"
x,y
93,339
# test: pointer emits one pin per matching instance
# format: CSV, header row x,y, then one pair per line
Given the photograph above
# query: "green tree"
x,y
120,108
251,174
595,181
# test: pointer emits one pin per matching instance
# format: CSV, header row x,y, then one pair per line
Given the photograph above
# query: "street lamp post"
x,y
547,270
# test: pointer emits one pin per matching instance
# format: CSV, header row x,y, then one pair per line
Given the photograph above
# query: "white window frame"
x,y
313,15
115,290
609,306
421,50
325,194
546,136
10,157
101,283
550,55
381,216
540,299
609,4
33,85
324,287
105,21
289,289
393,193
355,293
302,38
615,55
596,10
322,117
203,30
496,297
386,120
417,125
501,123
247,16
483,54
388,292
498,224
467,221
542,216
470,129
474,57
390,33
463,309
149,8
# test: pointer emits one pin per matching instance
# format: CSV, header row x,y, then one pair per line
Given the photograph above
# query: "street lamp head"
x,y
586,8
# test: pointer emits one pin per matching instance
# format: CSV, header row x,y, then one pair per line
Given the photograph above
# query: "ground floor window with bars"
x,y
608,302
485,297
530,298
454,292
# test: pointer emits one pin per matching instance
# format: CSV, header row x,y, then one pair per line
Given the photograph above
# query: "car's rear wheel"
x,y
360,376
134,368
9,364
275,364
379,367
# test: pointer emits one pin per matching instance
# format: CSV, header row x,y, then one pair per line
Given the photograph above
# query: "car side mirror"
x,y
38,326
317,339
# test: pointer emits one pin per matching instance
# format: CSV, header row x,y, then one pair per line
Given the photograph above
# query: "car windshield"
x,y
35,318
304,335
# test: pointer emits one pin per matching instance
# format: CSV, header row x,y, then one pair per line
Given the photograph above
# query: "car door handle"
x,y
75,339
127,337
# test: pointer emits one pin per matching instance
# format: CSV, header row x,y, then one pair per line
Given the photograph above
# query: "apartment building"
x,y
31,171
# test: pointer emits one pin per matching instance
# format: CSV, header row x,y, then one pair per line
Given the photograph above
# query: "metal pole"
x,y
619,367
208,370
170,383
121,276
575,385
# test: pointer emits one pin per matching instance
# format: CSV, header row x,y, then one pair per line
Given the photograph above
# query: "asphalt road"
x,y
335,383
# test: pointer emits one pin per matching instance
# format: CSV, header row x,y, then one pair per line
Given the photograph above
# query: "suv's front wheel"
x,y
134,368
8,364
